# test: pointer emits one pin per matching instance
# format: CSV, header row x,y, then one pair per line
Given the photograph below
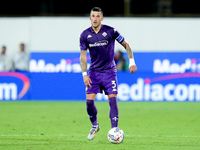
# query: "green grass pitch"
x,y
65,126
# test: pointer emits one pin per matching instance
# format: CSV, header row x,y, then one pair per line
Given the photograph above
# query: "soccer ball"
x,y
115,135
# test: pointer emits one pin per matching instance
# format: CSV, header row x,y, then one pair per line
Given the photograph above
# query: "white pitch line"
x,y
32,135
68,135
175,136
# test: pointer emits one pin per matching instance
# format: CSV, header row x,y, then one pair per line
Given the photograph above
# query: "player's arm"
x,y
132,65
83,63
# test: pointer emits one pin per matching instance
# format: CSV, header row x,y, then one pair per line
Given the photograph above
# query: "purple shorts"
x,y
106,82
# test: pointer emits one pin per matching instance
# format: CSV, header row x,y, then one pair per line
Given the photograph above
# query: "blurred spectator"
x,y
21,59
120,61
3,60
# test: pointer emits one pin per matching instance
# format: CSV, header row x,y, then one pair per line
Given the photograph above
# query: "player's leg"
x,y
91,93
90,103
114,111
91,108
110,89
92,113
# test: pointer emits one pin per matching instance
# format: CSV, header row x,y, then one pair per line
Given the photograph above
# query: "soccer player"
x,y
102,75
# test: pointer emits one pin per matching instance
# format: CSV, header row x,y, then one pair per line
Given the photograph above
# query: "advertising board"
x,y
14,85
175,62
57,76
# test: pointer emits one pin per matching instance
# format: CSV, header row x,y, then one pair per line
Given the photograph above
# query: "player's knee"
x,y
112,95
91,96
113,102
89,103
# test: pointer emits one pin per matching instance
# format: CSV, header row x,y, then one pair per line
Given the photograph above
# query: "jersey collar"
x,y
99,30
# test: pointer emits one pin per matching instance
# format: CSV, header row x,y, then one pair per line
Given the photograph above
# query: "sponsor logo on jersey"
x,y
99,43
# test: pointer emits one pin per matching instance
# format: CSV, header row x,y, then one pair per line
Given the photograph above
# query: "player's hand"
x,y
133,69
87,81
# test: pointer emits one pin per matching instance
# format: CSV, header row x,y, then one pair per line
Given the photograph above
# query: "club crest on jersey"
x,y
104,34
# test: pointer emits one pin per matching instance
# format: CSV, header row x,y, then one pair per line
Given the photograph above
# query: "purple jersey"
x,y
101,47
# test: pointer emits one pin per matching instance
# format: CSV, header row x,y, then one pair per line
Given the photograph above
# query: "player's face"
x,y
96,18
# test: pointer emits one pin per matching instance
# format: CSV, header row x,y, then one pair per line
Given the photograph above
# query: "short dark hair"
x,y
97,9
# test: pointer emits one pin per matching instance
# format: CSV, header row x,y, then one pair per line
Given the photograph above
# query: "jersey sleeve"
x,y
83,42
117,36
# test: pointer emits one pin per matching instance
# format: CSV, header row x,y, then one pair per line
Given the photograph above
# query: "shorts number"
x,y
114,85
